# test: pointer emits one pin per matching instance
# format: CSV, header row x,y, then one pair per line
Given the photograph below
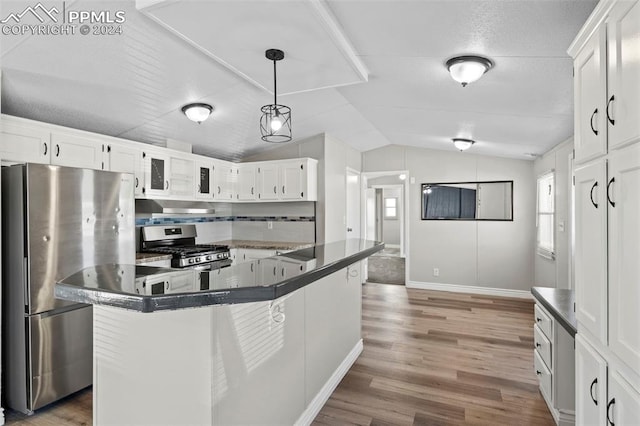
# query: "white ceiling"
x,y
369,72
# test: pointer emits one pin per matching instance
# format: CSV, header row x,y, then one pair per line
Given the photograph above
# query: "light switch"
x,y
561,226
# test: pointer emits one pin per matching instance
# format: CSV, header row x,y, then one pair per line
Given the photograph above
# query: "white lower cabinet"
x,y
554,364
603,395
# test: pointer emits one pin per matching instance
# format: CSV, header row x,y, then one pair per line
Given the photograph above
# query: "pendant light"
x,y
275,123
463,144
467,69
197,112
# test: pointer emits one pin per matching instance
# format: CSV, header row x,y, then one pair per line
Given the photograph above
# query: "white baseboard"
x,y
323,396
457,288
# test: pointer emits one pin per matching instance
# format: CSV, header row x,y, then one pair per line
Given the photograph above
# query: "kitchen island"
x,y
239,345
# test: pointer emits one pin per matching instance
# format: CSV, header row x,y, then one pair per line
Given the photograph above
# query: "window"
x,y
545,217
391,208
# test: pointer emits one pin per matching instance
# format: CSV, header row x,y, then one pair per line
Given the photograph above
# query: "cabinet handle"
x,y
251,266
137,182
108,148
218,190
591,194
595,401
283,189
45,149
276,314
611,120
538,373
538,319
538,345
612,402
591,122
282,272
166,184
252,190
274,271
275,189
57,150
613,204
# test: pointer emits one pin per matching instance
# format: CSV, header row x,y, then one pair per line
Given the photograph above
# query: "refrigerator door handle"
x,y
25,283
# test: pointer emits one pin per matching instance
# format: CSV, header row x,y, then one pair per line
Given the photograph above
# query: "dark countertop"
x,y
560,304
149,289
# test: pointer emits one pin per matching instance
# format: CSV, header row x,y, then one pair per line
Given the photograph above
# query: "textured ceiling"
x,y
133,85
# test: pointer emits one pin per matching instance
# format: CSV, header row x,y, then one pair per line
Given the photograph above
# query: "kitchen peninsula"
x,y
202,347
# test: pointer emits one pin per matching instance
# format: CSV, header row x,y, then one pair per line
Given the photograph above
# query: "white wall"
x,y
333,157
472,253
556,273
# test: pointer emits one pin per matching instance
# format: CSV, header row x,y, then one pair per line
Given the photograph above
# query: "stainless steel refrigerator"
x,y
55,221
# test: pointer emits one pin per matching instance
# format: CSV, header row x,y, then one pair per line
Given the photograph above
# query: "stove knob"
x,y
208,258
190,260
197,259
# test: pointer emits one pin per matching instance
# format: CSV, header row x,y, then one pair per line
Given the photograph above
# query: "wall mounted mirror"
x,y
467,200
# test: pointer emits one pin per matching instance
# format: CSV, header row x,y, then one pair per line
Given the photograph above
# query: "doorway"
x,y
385,220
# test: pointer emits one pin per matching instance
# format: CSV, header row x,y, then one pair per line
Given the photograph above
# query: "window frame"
x,y
546,250
394,207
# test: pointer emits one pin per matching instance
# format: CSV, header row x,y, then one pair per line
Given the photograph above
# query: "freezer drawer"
x,y
61,355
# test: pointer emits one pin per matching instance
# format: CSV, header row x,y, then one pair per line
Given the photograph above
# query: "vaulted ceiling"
x,y
369,72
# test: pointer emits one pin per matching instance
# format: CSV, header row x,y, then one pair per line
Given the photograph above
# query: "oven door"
x,y
216,264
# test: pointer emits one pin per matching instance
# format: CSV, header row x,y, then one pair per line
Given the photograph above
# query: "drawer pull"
x,y
591,194
595,401
538,372
595,132
613,204
539,319
611,120
612,402
538,345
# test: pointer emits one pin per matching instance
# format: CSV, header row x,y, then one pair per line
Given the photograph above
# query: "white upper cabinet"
x,y
156,174
590,83
591,248
623,72
268,181
22,141
181,179
126,158
288,180
224,181
247,182
77,150
624,254
204,180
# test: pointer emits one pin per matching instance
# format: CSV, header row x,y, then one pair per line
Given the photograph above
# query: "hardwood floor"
x,y
430,358
436,358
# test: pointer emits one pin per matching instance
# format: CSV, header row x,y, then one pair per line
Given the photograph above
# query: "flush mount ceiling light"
x,y
402,176
197,112
462,144
275,123
467,69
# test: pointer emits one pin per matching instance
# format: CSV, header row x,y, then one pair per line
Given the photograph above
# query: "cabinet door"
x,y
624,254
623,73
22,143
126,159
246,182
591,248
181,177
590,124
77,151
591,384
156,174
623,407
292,180
204,181
268,182
224,179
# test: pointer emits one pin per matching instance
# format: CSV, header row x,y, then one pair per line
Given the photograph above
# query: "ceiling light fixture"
x,y
463,144
402,176
275,123
467,69
197,112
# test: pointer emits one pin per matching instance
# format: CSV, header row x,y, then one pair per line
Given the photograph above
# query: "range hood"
x,y
173,207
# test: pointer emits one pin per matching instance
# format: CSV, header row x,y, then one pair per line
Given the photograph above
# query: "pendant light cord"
x,y
275,86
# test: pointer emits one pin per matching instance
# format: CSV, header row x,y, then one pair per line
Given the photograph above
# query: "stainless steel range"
x,y
180,242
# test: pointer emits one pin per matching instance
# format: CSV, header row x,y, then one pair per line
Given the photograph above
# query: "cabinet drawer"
x,y
544,376
544,321
543,346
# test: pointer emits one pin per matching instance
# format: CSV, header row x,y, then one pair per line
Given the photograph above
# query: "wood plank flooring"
x,y
436,358
430,358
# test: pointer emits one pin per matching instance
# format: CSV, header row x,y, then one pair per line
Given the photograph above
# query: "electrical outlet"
x,y
436,272
269,225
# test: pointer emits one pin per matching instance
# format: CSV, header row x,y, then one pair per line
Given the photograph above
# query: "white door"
x,y
624,254
224,179
292,180
247,182
590,82
370,214
268,182
591,248
24,144
591,384
623,407
623,103
76,151
156,174
126,159
353,204
181,178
